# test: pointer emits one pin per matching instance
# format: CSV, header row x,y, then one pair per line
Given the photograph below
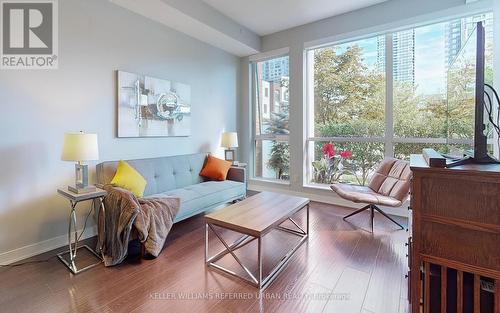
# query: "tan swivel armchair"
x,y
389,186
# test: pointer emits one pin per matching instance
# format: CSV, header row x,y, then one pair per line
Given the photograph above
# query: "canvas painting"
x,y
152,107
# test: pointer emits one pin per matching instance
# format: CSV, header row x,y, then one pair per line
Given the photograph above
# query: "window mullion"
x,y
389,97
255,102
255,115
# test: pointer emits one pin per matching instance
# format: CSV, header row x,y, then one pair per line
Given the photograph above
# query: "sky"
x,y
430,71
430,59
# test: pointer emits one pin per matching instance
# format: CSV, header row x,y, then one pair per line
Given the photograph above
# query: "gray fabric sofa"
x,y
178,176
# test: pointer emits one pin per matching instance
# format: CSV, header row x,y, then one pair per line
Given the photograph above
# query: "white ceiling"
x,y
269,16
220,32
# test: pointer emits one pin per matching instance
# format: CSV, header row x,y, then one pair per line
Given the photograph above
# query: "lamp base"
x,y
229,155
80,190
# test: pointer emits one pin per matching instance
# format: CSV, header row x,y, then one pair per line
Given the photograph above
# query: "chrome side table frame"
x,y
72,230
256,279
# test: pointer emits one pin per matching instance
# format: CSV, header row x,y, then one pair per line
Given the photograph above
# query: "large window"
x,y
271,112
385,96
348,114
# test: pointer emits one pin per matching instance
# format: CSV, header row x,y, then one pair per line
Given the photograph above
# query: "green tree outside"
x,y
279,160
350,102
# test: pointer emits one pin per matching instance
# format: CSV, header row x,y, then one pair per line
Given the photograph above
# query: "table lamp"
x,y
229,141
80,147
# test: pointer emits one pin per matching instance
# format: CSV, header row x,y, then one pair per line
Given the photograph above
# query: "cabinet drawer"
x,y
463,199
464,245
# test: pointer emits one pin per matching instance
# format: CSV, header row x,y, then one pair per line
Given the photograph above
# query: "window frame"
x,y
389,139
253,60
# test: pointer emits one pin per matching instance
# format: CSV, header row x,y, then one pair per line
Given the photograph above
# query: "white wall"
x,y
37,107
387,16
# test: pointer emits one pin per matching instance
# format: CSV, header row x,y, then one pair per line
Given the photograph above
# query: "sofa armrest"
x,y
238,174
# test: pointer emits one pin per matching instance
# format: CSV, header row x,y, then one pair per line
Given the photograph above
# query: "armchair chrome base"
x,y
373,208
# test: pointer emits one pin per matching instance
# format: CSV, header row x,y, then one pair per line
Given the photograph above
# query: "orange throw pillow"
x,y
215,168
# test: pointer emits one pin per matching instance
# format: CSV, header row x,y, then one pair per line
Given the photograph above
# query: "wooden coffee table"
x,y
254,217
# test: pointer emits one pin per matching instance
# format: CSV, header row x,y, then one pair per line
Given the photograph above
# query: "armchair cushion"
x,y
389,185
363,194
392,178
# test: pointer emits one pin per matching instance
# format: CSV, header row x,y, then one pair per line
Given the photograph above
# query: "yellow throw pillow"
x,y
129,178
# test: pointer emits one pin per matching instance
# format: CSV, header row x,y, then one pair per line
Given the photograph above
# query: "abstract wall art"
x,y
152,107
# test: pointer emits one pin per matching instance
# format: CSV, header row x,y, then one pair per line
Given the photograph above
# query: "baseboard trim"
x,y
332,199
41,247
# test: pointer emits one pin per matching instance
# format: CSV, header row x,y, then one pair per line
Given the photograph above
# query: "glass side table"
x,y
74,199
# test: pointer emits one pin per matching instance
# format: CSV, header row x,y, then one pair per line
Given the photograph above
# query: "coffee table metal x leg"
x,y
256,279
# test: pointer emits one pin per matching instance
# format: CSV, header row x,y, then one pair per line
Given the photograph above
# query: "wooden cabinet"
x,y
454,238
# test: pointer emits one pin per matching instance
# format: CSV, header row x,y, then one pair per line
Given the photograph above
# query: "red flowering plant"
x,y
330,167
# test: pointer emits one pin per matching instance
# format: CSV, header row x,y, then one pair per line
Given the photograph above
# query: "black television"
x,y
466,94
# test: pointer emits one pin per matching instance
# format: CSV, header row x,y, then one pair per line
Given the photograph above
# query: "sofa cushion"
x,y
200,196
162,174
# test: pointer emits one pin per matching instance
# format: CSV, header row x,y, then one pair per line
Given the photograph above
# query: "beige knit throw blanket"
x,y
151,219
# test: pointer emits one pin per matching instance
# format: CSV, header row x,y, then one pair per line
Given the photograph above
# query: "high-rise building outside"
x,y
453,40
274,69
403,47
403,54
457,31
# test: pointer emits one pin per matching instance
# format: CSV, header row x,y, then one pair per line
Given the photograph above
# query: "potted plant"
x,y
330,167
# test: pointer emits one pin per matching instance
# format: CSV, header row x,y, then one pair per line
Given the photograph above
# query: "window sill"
x,y
269,180
317,186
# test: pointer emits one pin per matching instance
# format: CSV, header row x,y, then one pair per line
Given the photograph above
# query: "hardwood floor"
x,y
341,268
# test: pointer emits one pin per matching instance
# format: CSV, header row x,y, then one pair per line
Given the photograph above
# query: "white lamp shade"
x,y
80,147
229,140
